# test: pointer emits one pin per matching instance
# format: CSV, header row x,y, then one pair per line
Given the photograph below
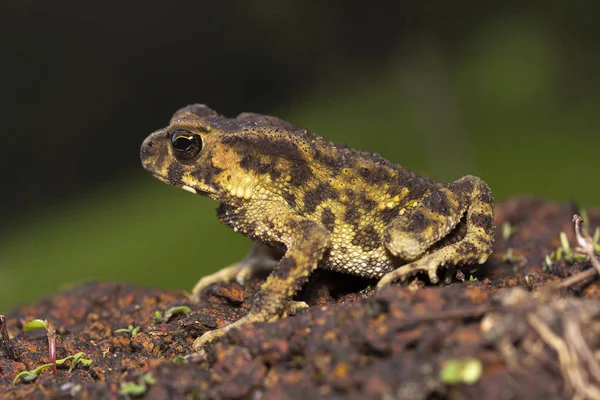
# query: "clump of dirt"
x,y
509,330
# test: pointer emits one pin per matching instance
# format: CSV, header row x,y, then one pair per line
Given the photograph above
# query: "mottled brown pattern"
x,y
327,205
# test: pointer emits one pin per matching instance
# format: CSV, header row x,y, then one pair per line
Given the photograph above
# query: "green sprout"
x,y
510,257
171,312
158,316
50,333
30,376
565,251
138,388
508,230
74,360
132,330
179,360
461,370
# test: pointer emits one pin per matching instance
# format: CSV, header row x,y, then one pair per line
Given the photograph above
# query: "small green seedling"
x,y
74,360
132,330
508,230
564,251
461,370
510,257
30,376
179,359
171,312
158,316
50,333
138,388
566,247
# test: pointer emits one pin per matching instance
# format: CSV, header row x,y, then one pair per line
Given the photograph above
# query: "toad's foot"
x,y
291,308
260,260
407,271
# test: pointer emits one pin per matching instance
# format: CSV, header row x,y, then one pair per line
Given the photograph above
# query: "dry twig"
x,y
10,352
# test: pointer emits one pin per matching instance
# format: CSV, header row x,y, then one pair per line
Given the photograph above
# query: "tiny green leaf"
x,y
461,370
179,360
138,388
35,324
29,376
175,310
564,242
133,389
148,378
559,254
506,230
130,329
63,360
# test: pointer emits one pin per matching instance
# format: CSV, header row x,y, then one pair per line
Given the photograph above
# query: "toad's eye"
x,y
186,145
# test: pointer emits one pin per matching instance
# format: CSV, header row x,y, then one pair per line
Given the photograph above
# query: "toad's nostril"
x,y
147,149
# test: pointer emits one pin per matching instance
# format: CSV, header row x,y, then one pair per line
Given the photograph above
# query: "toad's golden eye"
x,y
186,145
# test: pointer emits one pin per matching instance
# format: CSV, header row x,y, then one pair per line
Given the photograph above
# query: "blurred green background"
x,y
508,92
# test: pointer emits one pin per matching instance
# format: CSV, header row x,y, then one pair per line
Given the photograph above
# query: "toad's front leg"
x,y
306,243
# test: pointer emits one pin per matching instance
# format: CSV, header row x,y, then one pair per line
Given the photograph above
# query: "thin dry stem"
x,y
10,352
571,366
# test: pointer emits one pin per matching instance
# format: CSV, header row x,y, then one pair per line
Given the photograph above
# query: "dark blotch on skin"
x,y
175,173
466,248
486,197
336,158
367,238
252,163
367,203
374,175
418,222
328,219
483,221
290,198
438,203
276,148
352,216
286,265
207,173
313,198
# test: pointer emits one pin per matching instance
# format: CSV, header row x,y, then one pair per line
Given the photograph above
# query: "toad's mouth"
x,y
202,191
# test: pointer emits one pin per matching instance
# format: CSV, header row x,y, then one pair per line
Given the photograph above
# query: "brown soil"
x,y
352,343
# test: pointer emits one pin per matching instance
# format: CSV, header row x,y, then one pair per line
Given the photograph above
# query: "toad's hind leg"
x,y
410,236
261,258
